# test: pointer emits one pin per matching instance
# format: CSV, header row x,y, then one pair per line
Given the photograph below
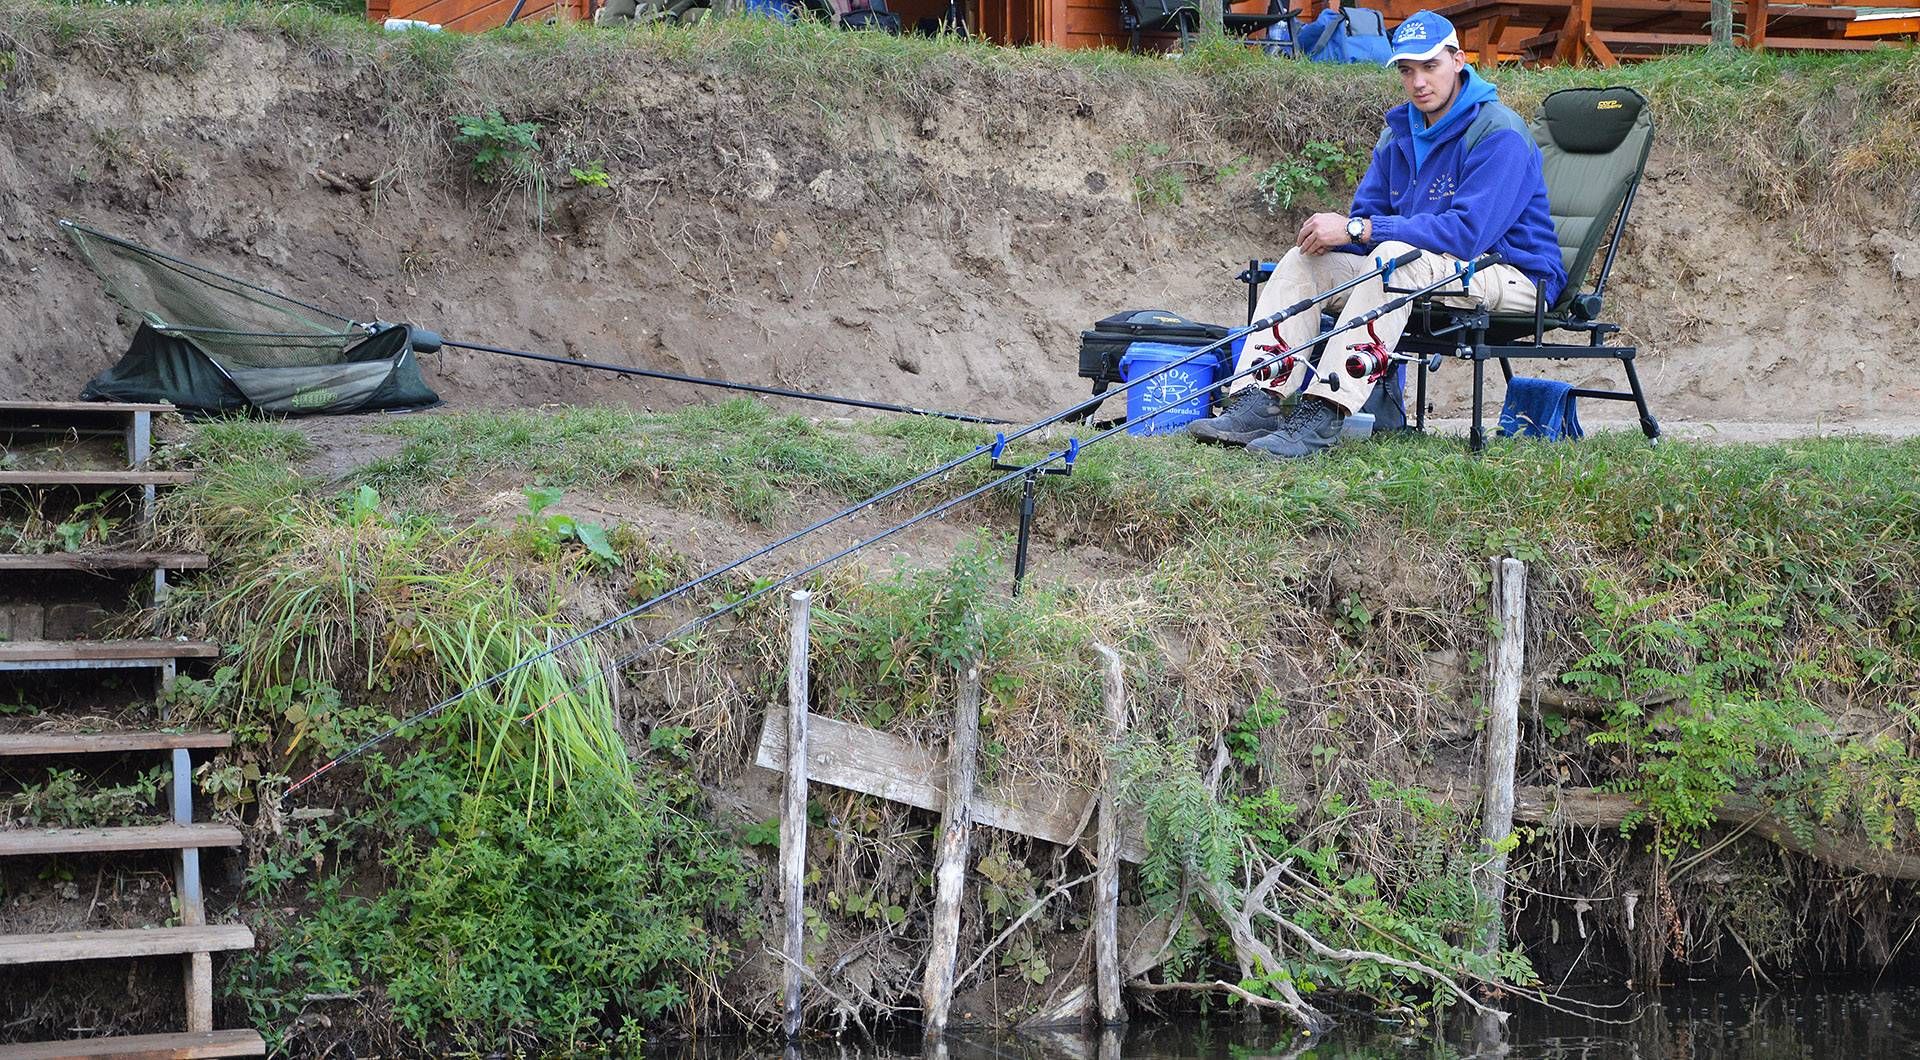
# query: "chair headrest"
x,y
1591,121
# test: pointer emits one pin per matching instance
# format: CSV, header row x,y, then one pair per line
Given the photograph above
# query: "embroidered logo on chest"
x,y
1442,187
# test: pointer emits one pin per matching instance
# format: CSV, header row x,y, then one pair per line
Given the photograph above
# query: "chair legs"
x,y
1477,435
1648,426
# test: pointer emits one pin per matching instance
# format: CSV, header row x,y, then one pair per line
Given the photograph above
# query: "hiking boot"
x,y
1254,413
1310,427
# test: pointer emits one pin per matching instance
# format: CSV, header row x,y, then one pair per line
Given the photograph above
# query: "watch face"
x,y
1355,227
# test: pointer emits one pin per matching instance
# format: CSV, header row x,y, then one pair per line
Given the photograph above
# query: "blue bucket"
x,y
1175,398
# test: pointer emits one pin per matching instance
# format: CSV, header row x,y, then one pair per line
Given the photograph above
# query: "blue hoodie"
x,y
1425,187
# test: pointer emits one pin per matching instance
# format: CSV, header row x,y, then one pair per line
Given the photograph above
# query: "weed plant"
x,y
567,930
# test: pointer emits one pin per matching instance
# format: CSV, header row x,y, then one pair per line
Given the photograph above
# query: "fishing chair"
x,y
1595,143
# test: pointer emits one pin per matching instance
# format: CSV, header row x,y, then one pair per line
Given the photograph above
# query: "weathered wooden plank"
x,y
83,651
1592,808
793,817
143,1047
135,942
890,767
950,866
94,478
86,561
73,743
82,406
1106,881
33,841
1502,741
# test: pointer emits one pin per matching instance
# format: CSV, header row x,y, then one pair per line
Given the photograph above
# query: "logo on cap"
x,y
1411,31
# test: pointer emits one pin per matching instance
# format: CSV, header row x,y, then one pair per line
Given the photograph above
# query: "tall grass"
x,y
336,593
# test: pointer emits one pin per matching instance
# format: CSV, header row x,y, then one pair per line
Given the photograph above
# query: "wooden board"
x,y
134,942
131,560
82,651
94,478
890,767
143,1047
22,842
1880,26
82,406
17,745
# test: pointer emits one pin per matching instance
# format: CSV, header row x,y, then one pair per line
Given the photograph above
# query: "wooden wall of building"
x,y
472,16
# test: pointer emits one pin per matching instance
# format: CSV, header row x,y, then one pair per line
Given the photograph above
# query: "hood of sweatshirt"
x,y
1474,90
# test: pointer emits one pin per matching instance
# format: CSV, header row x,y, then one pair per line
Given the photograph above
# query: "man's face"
x,y
1432,83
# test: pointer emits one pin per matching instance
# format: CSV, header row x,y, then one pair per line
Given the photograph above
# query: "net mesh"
x,y
238,324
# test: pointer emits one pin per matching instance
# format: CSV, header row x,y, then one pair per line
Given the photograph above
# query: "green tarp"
x,y
213,343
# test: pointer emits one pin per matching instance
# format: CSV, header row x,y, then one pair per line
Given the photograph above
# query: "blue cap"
x,y
1421,37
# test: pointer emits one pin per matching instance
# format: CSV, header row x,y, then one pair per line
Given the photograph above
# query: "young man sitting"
x,y
1455,174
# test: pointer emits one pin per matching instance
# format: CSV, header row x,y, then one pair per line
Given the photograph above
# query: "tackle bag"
x,y
1349,35
1102,347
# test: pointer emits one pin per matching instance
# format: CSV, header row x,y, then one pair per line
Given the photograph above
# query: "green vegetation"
x,y
1318,168
567,930
1717,606
499,150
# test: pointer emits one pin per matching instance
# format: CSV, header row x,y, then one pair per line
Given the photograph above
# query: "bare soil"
x,y
944,254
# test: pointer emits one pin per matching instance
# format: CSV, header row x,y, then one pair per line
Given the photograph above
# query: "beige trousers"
x,y
1501,288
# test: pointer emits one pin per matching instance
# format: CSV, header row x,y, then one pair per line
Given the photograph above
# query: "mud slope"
x,y
940,244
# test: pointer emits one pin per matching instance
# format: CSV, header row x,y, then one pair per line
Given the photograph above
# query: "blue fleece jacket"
x,y
1424,186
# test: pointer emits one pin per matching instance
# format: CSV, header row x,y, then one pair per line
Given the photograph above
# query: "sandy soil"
x,y
946,263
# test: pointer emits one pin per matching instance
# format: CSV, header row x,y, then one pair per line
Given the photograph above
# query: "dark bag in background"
x,y
1102,347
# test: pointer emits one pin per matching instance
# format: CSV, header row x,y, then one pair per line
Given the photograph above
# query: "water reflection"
x,y
1809,1023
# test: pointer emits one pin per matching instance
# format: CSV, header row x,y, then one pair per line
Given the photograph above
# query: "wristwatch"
x,y
1356,227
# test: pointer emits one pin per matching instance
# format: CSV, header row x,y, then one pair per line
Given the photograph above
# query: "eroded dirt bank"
x,y
929,227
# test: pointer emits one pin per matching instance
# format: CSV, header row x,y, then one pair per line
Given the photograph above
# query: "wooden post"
x,y
1503,738
950,863
1106,880
793,815
1492,30
1720,22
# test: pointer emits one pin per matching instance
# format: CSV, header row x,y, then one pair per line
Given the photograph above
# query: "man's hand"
x,y
1323,232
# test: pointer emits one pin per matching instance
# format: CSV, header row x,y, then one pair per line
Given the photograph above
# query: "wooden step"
x,y
27,841
83,406
133,942
143,1047
18,745
131,559
94,478
99,654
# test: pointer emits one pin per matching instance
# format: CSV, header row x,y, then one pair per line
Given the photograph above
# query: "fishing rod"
x,y
423,340
1067,456
749,388
999,444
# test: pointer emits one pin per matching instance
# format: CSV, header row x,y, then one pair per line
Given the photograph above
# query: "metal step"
x,y
99,654
90,561
134,942
27,841
143,1047
16,745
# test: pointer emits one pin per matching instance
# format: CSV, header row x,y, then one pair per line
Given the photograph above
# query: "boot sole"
x,y
1213,437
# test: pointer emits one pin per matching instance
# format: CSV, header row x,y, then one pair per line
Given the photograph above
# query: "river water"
x,y
1867,1022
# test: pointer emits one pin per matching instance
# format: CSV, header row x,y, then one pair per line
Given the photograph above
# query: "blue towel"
x,y
1540,408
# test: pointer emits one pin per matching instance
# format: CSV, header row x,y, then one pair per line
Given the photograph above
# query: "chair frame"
x,y
1438,331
